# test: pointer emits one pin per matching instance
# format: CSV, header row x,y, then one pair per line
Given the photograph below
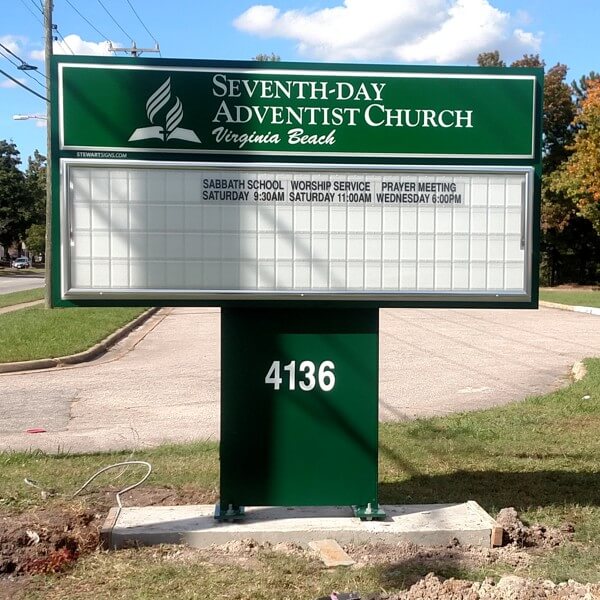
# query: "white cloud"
x,y
77,45
13,42
432,31
527,38
9,83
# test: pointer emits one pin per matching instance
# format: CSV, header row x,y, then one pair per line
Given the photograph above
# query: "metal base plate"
x,y
231,513
369,513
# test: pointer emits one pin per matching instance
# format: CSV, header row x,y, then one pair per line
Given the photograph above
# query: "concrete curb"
x,y
15,307
89,354
589,310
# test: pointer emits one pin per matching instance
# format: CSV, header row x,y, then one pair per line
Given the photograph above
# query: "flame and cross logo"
x,y
169,129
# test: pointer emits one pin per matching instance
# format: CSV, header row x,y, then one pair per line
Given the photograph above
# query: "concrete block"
x,y
430,524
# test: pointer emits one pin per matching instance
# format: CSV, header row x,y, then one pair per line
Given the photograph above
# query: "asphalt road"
x,y
18,283
162,383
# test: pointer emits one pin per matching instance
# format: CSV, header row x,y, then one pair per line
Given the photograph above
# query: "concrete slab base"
x,y
425,524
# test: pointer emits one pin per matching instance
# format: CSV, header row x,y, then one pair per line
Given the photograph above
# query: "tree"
x,y
580,87
36,238
490,59
559,108
569,244
559,112
35,179
267,57
579,177
15,204
529,60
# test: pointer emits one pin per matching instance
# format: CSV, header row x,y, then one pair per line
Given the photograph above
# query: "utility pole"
x,y
134,50
48,55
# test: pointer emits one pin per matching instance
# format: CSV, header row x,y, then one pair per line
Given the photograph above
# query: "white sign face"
x,y
198,231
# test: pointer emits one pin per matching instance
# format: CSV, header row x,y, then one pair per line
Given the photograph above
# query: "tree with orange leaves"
x,y
579,176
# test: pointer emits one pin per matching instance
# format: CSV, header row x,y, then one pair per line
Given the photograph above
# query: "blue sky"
x,y
380,31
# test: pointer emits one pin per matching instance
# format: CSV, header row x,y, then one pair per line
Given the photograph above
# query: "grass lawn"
x,y
541,456
19,297
32,271
572,297
39,333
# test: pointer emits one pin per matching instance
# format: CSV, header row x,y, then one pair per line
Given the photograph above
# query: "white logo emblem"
x,y
170,130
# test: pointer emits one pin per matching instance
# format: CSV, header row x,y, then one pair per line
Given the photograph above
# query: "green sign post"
x,y
300,198
299,408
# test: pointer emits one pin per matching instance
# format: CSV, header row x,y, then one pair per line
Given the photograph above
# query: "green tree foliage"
x,y
15,205
36,238
22,196
580,87
529,60
570,245
559,112
35,178
267,57
490,59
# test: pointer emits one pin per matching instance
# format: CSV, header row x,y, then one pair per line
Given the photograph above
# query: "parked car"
x,y
20,263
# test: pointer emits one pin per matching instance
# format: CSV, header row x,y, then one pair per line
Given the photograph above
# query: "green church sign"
x,y
213,182
284,193
192,108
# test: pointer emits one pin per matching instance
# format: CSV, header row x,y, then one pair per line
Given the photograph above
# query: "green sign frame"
x,y
115,111
339,113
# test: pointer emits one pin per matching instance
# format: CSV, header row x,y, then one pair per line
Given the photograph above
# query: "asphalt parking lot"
x,y
20,282
162,383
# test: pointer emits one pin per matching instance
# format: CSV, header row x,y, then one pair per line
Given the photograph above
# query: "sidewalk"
x,y
13,307
104,345
588,310
161,383
87,355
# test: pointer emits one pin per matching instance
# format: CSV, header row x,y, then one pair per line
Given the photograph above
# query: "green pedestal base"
x,y
299,407
229,513
370,512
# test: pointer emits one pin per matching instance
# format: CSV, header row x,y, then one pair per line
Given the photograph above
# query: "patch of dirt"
x,y
432,557
509,587
46,540
535,536
149,496
51,539
245,553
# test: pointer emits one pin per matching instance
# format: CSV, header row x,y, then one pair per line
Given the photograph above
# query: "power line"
x,y
23,66
8,58
12,62
23,85
64,41
31,11
38,7
13,54
114,20
142,22
85,19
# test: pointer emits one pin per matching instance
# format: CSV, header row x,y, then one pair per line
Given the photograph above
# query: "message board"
x,y
197,182
234,229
